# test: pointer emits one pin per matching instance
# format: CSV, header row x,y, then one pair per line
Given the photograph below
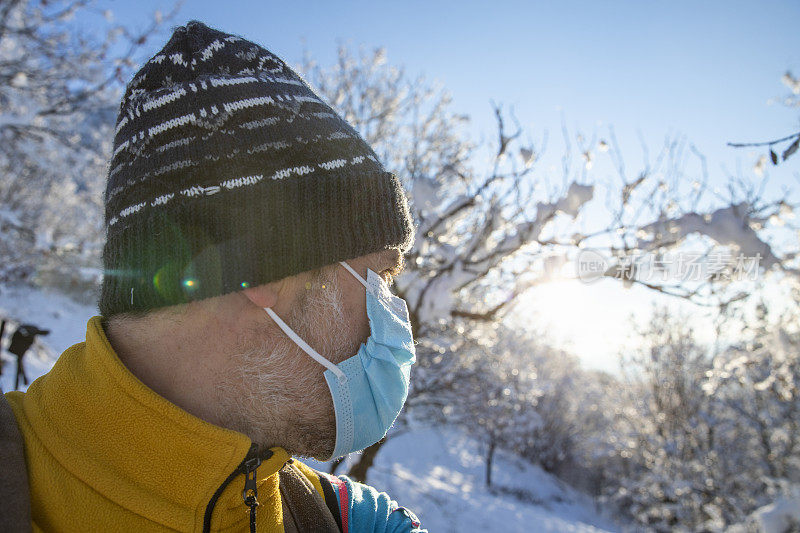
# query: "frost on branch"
x,y
57,114
728,226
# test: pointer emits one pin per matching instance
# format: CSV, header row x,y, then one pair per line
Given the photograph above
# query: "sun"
x,y
591,320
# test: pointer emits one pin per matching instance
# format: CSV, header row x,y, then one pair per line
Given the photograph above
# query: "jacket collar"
x,y
135,447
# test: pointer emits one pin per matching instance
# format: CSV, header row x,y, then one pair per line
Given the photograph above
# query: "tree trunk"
x,y
489,459
359,470
335,464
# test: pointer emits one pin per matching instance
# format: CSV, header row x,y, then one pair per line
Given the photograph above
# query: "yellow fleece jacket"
x,y
106,453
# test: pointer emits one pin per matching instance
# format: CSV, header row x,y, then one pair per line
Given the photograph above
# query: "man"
x,y
245,314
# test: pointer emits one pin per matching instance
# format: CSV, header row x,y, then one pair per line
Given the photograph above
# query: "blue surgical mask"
x,y
370,388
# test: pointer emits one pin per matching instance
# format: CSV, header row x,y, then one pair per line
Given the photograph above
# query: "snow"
x,y
425,193
573,201
727,226
9,216
438,302
439,474
65,319
439,295
780,516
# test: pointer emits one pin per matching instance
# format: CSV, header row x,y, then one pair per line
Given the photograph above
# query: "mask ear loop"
x,y
304,345
353,272
380,291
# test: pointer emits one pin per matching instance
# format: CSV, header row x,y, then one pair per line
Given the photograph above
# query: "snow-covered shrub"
x,y
705,441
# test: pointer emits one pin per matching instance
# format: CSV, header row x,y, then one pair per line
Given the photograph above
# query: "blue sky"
x,y
705,70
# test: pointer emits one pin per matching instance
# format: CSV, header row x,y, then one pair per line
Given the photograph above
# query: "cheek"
x,y
363,319
355,307
360,319
355,330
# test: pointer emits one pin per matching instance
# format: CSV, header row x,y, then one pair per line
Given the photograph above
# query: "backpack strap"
x,y
303,507
333,486
15,503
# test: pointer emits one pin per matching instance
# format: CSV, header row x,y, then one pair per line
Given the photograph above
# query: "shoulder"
x,y
362,507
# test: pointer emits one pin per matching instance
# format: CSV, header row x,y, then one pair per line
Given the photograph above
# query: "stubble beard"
x,y
276,394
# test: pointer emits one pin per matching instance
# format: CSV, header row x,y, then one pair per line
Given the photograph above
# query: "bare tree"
x,y
486,235
792,141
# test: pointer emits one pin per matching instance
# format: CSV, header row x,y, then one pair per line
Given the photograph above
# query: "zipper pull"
x,y
250,492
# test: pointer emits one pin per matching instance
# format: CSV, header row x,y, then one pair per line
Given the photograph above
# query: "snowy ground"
x,y
65,319
438,474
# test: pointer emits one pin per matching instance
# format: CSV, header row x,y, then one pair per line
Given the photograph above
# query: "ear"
x,y
263,296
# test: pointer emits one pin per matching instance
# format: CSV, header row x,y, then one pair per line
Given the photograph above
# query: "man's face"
x,y
276,393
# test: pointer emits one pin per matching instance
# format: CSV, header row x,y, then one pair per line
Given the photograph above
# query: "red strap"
x,y
344,498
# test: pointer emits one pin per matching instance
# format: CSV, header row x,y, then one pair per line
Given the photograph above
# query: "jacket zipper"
x,y
249,494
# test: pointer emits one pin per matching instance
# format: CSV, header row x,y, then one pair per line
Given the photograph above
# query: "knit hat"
x,y
228,171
